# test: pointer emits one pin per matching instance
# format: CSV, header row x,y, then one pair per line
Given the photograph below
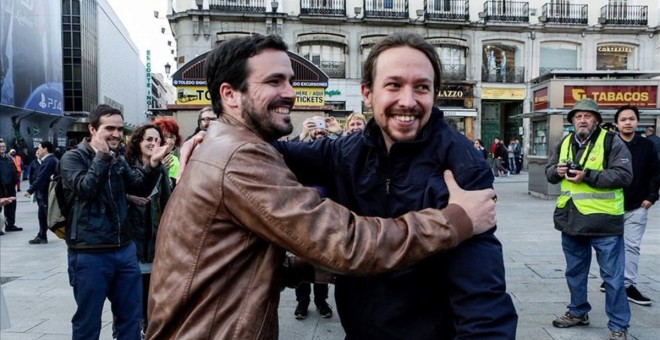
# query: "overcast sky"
x,y
145,30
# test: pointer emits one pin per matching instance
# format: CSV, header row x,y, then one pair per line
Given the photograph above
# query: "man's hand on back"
x,y
478,204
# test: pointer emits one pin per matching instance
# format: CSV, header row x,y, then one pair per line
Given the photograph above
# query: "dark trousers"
x,y
114,275
304,290
41,215
10,209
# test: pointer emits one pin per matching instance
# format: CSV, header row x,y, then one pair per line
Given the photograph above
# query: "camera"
x,y
572,166
319,123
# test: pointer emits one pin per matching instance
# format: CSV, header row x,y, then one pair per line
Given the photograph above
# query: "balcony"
x,y
509,11
447,10
333,69
453,72
238,6
386,9
323,8
624,15
506,75
563,13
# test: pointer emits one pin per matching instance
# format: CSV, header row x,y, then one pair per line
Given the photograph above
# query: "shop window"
x,y
502,62
539,138
328,56
615,57
559,56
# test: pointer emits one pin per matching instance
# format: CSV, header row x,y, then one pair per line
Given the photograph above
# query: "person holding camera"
x,y
593,166
314,128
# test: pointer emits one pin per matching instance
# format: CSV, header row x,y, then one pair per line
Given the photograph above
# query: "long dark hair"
x,y
133,152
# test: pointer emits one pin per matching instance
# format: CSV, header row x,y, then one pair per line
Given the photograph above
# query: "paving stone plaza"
x,y
40,300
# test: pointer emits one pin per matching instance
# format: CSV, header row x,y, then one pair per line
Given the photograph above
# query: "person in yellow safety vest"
x,y
593,166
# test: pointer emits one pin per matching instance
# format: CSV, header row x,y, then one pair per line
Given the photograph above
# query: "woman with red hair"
x,y
170,129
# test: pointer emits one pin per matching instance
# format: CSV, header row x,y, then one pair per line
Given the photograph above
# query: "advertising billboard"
x,y
31,55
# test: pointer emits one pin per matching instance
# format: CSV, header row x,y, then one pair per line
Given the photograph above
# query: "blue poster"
x,y
31,55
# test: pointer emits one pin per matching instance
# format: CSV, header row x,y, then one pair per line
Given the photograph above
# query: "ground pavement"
x,y
35,284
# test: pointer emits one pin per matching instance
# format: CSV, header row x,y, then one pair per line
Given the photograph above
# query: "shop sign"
x,y
193,95
459,112
149,99
310,96
502,93
613,96
455,92
332,93
541,99
614,49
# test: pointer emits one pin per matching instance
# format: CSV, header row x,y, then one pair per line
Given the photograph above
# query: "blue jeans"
x,y
610,256
112,274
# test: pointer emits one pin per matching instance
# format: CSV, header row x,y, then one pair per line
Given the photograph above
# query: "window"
x,y
328,56
442,5
452,58
615,57
501,62
539,138
558,56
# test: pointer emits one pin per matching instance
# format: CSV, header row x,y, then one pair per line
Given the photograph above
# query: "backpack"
x,y
60,202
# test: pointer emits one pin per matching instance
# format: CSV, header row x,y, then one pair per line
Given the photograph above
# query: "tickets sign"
x,y
643,96
310,96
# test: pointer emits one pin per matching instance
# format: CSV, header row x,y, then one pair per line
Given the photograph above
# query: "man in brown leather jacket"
x,y
237,208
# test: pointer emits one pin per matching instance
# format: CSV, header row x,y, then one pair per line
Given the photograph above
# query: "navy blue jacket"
x,y
40,185
458,294
99,216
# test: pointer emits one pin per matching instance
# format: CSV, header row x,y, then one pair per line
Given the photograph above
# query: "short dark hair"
x,y
623,108
48,146
227,63
400,39
102,110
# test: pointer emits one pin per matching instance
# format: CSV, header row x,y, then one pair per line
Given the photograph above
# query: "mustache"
x,y
415,111
282,102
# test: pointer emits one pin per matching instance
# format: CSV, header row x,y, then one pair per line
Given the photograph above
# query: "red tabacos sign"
x,y
541,99
613,96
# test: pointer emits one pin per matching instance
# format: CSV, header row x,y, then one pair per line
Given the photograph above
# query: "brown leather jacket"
x,y
224,233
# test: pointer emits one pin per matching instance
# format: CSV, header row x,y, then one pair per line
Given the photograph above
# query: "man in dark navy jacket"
x,y
396,166
39,188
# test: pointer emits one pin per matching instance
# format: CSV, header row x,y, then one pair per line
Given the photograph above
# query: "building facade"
x,y
492,51
101,65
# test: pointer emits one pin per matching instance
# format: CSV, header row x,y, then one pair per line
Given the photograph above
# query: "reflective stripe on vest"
x,y
589,200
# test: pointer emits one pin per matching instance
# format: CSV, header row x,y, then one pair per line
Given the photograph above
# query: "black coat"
x,y
43,175
461,293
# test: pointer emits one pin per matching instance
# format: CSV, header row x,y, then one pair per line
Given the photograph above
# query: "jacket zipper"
x,y
115,205
387,186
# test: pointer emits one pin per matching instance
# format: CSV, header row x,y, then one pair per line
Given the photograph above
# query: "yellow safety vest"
x,y
589,200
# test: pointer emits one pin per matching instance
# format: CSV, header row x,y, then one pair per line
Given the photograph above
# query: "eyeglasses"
x,y
208,119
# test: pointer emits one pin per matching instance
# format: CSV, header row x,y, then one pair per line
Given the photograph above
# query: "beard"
x,y
263,122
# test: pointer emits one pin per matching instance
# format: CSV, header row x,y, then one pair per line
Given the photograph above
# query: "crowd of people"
x,y
398,212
